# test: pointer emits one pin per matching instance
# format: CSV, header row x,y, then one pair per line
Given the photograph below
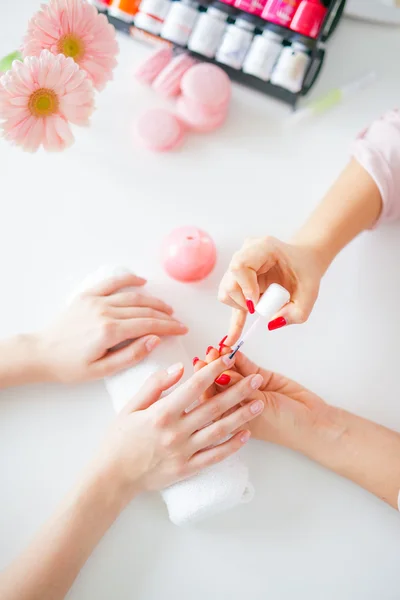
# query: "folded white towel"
x,y
216,488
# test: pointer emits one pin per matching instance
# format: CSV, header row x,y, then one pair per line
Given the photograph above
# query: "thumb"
x,y
296,311
152,389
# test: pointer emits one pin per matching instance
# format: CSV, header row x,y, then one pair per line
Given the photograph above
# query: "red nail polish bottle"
x,y
309,18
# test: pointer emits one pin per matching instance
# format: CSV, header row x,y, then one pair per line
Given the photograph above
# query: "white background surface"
x,y
308,534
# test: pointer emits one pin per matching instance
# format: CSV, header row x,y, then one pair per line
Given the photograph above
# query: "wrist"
x,y
319,246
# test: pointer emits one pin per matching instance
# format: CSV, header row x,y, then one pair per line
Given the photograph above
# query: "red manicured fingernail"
x,y
223,379
222,341
195,360
250,306
209,349
277,323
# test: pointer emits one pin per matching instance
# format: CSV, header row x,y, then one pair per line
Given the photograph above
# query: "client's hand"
x,y
155,443
76,346
292,414
267,260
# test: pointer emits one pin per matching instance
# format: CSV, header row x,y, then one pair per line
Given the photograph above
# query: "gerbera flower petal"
x,y
35,105
74,28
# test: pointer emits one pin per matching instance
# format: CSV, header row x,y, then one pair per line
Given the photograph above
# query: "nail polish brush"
x,y
273,299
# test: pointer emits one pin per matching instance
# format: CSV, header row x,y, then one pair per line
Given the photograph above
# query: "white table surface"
x,y
308,534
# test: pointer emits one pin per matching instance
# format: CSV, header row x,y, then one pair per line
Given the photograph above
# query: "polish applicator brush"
x,y
273,299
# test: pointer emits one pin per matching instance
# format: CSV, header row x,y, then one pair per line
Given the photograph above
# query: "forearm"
x,y
360,450
22,361
352,205
48,568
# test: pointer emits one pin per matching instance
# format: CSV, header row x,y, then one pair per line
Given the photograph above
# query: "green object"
x,y
331,99
7,61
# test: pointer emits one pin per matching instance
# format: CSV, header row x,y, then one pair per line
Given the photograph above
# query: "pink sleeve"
x,y
378,150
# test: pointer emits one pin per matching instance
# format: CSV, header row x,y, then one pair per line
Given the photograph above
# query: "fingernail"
x,y
222,342
245,437
277,323
223,379
152,343
256,382
175,368
195,360
250,306
182,326
209,349
256,407
227,360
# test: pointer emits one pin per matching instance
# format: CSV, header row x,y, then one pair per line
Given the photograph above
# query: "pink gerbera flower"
x,y
74,28
39,97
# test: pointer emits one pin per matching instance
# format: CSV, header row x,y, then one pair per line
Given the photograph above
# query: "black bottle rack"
x,y
317,47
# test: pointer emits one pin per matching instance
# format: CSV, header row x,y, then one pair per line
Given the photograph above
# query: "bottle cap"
x,y
272,301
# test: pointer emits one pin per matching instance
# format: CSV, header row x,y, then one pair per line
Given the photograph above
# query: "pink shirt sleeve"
x,y
378,150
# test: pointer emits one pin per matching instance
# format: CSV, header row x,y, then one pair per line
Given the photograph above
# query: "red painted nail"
x,y
222,341
195,360
250,306
223,379
277,323
209,349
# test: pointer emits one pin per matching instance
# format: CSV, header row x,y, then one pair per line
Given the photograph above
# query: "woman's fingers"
x,y
130,355
206,458
115,284
216,432
230,293
193,388
238,321
127,299
221,403
126,329
138,312
151,391
297,310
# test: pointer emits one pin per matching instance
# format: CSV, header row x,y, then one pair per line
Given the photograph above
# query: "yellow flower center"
x,y
43,103
71,46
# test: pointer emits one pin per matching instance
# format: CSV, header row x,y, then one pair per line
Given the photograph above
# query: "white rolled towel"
x,y
216,488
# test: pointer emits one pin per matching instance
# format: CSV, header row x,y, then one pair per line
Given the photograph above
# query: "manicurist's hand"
x,y
76,346
360,450
259,263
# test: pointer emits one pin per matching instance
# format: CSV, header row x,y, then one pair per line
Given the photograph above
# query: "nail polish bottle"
x,y
180,21
280,12
237,41
151,15
264,52
209,29
309,18
253,7
292,65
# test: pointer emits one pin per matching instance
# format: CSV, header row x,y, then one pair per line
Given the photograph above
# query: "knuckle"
x,y
301,315
171,439
108,329
162,419
181,469
220,431
215,409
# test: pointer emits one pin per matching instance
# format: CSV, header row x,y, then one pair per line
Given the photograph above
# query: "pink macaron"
x,y
168,82
208,85
152,66
194,117
159,130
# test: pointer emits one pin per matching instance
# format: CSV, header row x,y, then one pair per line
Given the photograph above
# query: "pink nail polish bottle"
x,y
280,12
253,7
309,18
